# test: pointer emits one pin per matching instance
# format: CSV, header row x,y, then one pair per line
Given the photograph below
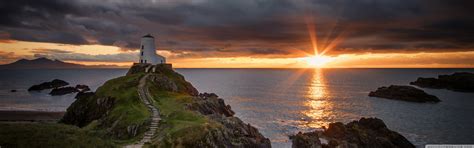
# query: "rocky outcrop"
x,y
63,90
48,85
460,81
115,108
367,132
168,80
405,93
209,103
86,109
234,133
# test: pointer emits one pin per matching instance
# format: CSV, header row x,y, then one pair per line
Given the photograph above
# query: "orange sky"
x,y
99,54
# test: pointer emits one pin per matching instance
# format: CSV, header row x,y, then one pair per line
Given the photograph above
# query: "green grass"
x,y
49,135
129,109
179,126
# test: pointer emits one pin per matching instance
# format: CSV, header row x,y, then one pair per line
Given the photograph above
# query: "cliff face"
x,y
189,119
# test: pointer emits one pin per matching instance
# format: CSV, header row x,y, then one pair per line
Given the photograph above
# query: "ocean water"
x,y
281,102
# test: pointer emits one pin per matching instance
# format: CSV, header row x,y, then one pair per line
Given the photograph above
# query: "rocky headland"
x,y
367,132
188,118
459,81
404,93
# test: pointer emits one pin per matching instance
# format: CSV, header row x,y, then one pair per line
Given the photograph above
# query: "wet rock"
x,y
405,93
460,81
13,90
367,132
48,85
63,90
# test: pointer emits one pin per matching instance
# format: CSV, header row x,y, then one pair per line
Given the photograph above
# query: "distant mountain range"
x,y
45,63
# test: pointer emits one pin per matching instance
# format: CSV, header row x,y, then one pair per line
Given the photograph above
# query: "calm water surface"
x,y
280,102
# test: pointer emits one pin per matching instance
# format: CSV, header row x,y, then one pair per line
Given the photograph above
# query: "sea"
x,y
282,102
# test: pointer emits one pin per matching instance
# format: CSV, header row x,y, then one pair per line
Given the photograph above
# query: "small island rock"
x,y
48,85
460,81
367,132
405,93
63,91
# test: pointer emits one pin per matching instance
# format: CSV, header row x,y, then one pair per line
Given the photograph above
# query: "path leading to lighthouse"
x,y
147,99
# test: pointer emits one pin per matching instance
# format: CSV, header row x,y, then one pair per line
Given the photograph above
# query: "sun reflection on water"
x,y
319,109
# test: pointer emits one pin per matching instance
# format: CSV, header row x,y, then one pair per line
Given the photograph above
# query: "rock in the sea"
x,y
63,90
367,132
405,93
460,81
82,88
13,90
48,85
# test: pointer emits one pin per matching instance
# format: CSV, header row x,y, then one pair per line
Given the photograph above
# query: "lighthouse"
x,y
148,51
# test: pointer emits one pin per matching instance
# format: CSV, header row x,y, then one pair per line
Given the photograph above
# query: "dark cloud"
x,y
260,27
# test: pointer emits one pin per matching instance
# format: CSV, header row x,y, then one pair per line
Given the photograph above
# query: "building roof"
x,y
148,36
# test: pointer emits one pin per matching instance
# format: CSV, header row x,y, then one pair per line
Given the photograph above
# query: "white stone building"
x,y
148,51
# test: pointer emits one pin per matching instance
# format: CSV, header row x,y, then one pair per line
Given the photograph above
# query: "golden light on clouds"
x,y
26,48
14,50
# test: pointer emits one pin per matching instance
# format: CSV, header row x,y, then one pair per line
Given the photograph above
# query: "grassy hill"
x,y
114,115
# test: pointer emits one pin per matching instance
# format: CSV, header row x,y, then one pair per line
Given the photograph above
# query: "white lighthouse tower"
x,y
148,51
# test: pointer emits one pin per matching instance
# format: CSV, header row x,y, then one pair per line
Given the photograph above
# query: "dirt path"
x,y
145,96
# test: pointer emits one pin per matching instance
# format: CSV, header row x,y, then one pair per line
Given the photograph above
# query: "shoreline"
x,y
30,116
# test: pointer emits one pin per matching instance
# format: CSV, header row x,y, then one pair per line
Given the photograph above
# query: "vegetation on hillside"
x,y
179,126
115,114
50,135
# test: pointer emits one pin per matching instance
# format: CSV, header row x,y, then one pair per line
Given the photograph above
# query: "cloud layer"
x,y
252,28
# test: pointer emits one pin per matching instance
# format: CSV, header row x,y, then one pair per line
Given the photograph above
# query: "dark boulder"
x,y
367,132
405,93
48,85
306,140
13,90
82,88
63,90
460,81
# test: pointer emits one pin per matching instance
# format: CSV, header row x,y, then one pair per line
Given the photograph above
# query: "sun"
x,y
318,60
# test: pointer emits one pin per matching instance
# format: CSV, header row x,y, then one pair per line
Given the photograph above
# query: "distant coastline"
x,y
45,63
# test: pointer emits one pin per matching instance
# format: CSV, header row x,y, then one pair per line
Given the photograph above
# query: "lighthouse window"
x,y
142,46
141,53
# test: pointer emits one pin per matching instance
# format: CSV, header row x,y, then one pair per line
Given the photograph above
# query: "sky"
x,y
243,33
